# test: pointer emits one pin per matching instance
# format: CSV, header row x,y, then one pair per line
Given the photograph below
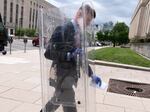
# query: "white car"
x,y
98,44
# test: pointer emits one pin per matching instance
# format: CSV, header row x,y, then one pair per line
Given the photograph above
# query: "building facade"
x,y
140,23
139,33
24,13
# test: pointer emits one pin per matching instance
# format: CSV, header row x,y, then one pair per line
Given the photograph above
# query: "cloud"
x,y
115,10
107,10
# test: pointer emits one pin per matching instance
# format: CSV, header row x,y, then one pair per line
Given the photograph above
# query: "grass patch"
x,y
119,55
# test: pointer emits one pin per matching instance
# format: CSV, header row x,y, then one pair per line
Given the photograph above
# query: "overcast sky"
x,y
107,10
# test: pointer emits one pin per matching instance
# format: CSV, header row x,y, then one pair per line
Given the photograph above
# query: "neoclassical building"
x,y
24,13
140,23
139,33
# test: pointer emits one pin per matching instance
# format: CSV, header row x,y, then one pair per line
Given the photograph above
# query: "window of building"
x,y
17,11
30,2
11,12
11,31
30,17
21,22
5,11
33,18
36,18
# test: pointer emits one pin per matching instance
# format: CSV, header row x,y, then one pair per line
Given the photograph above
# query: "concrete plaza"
x,y
20,85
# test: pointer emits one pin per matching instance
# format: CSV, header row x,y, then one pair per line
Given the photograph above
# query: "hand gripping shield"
x,y
65,34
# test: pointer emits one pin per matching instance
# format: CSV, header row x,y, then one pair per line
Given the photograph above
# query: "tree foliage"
x,y
117,35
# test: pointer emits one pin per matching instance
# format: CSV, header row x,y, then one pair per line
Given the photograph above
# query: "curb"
x,y
97,62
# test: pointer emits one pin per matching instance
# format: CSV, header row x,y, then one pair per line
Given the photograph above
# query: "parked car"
x,y
35,41
98,44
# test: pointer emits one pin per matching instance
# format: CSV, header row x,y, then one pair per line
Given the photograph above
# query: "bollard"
x,y
10,40
25,40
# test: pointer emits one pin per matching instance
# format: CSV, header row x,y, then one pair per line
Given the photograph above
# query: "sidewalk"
x,y
20,85
20,89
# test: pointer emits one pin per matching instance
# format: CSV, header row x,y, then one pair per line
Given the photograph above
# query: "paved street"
x,y
20,85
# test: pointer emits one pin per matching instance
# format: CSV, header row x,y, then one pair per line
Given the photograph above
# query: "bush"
x,y
27,32
20,32
30,32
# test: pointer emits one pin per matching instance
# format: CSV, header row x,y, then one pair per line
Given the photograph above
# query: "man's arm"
x,y
90,72
96,80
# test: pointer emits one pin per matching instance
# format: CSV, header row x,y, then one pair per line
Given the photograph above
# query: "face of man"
x,y
84,19
88,19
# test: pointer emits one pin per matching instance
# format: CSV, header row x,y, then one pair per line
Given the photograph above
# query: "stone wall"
x,y
142,48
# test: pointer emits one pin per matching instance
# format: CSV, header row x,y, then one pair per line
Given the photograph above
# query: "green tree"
x,y
118,35
100,36
104,34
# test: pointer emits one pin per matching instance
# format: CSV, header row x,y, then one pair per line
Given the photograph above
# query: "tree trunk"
x,y
114,43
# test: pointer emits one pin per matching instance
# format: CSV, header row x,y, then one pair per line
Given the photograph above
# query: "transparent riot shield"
x,y
66,72
88,43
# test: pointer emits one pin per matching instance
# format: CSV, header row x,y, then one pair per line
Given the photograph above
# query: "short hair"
x,y
89,10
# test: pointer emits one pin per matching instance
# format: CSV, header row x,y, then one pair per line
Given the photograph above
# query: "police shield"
x,y
66,35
